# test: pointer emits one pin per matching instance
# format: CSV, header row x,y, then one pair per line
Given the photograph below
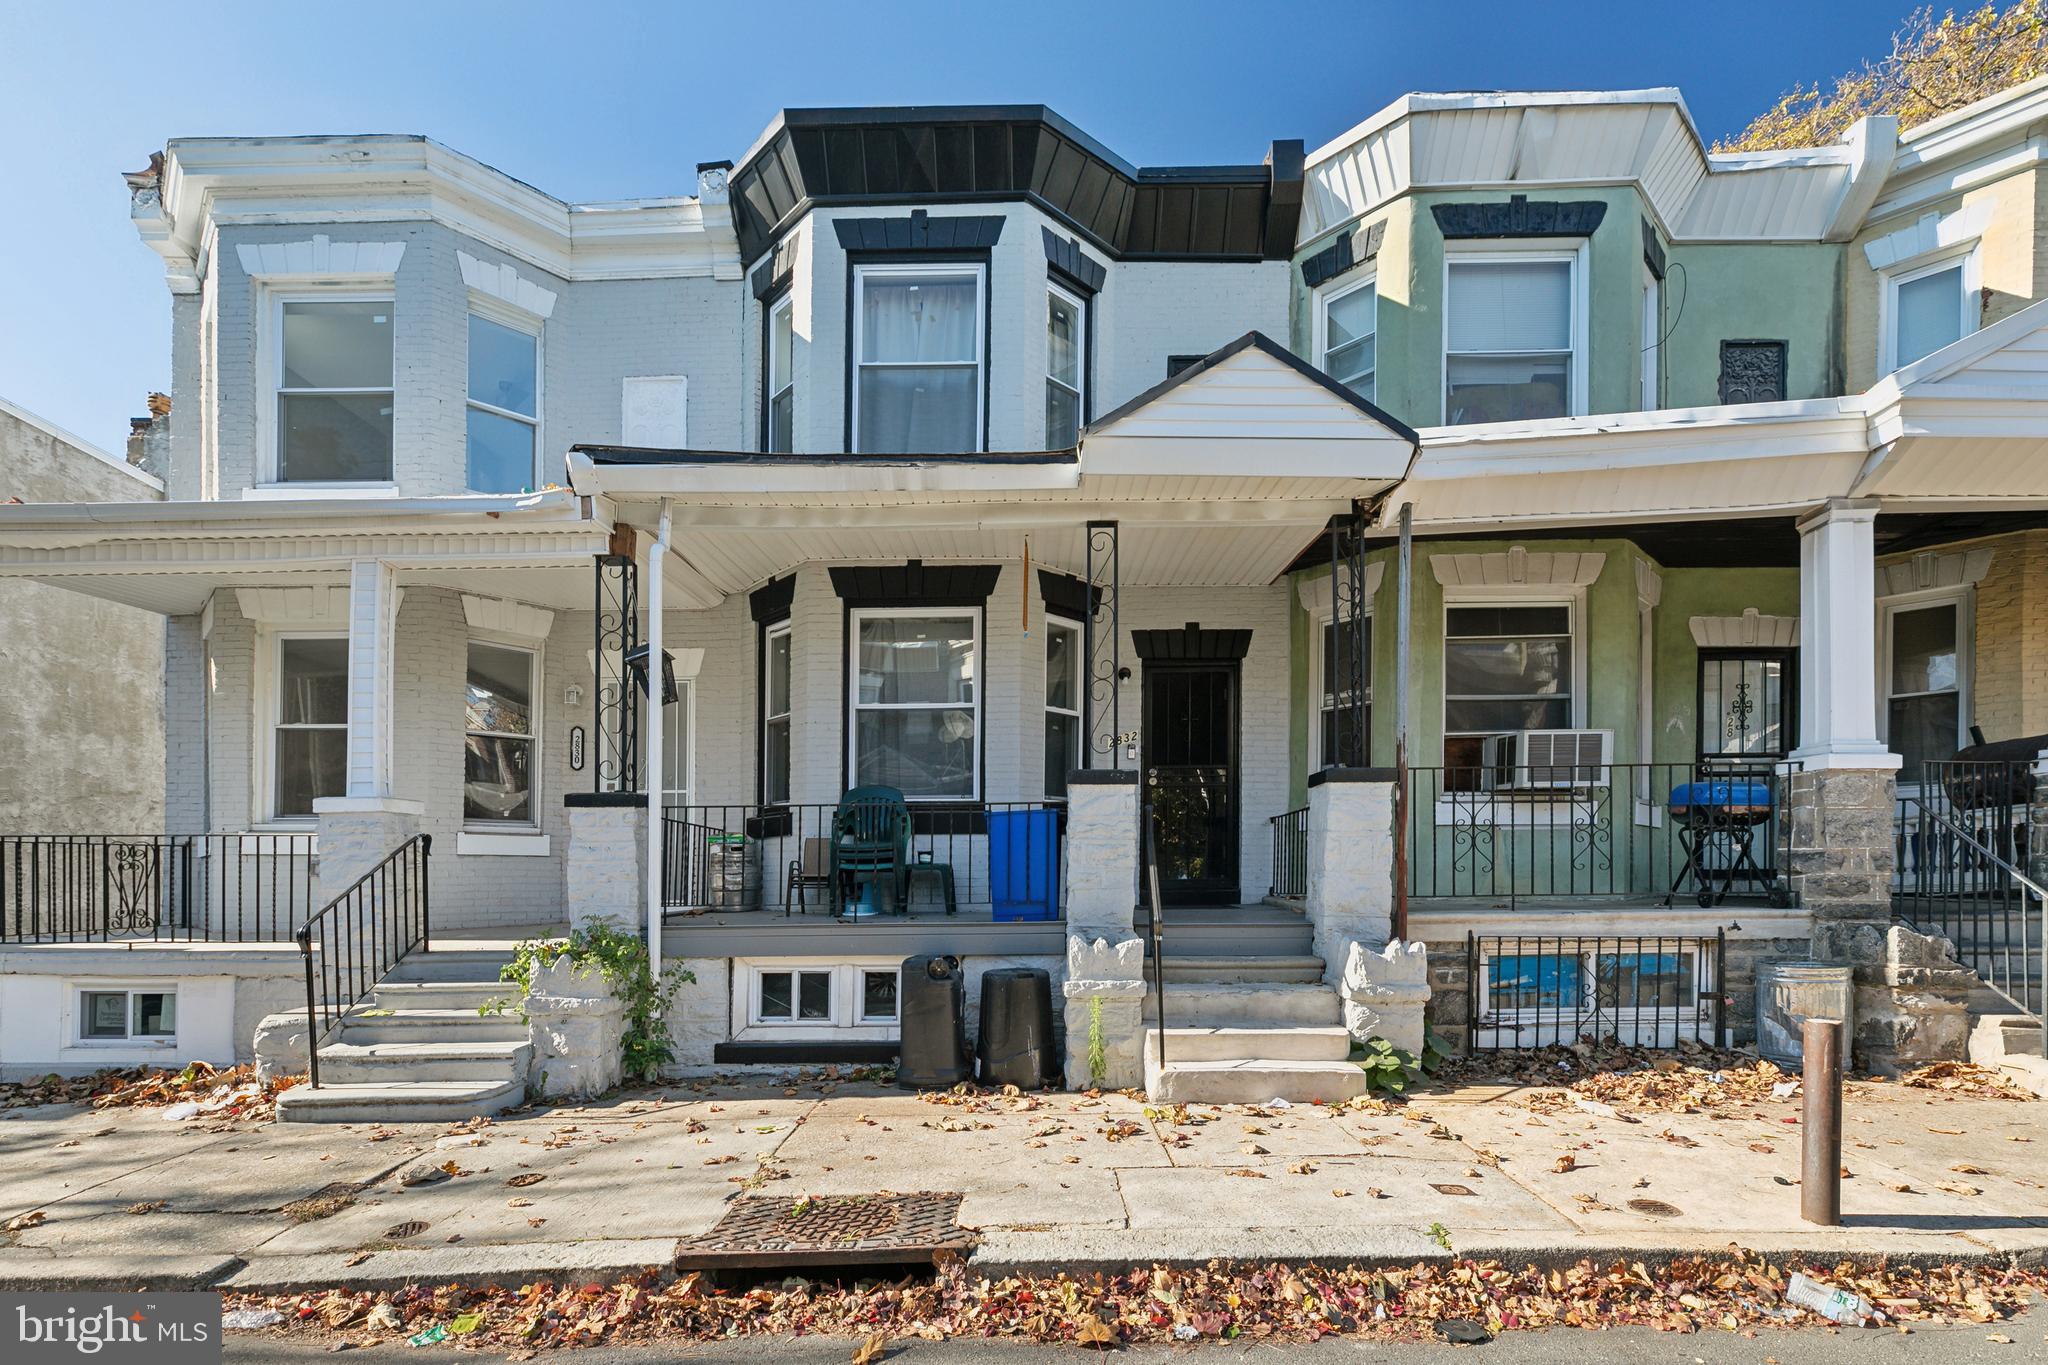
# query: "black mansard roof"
x,y
980,153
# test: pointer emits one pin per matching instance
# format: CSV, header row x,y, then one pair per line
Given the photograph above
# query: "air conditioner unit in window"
x,y
1549,759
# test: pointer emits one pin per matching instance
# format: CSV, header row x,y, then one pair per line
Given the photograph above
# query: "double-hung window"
x,y
775,715
1507,668
1924,682
1062,705
1066,366
1343,731
918,354
309,727
498,734
1348,323
916,710
504,406
1511,337
1927,308
781,376
334,390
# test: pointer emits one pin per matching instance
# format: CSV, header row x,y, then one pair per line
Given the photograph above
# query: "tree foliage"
x,y
1935,66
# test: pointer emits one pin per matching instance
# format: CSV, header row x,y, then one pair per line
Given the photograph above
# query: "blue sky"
x,y
606,101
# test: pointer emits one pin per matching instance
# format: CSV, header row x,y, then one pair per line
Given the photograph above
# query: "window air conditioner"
x,y
1549,759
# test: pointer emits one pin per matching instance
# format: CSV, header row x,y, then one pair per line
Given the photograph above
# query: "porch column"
x,y
1838,630
1350,891
1102,854
358,830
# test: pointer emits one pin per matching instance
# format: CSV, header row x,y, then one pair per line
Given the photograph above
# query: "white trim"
x,y
1320,344
320,258
506,285
1518,567
1317,595
294,492
1574,254
1650,395
1932,570
1080,388
1321,618
1751,630
270,641
325,607
854,705
686,701
535,727
1963,600
845,1022
865,270
1572,598
769,634
1969,259
478,843
73,1027
1052,621
785,304
1928,235
503,617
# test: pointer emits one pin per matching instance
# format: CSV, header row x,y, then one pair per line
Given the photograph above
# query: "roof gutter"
x,y
551,505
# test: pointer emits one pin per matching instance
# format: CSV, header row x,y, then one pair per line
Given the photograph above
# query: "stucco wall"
x,y
1750,292
81,703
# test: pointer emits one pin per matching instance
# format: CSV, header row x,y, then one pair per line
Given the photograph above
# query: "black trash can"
x,y
933,1053
1016,1046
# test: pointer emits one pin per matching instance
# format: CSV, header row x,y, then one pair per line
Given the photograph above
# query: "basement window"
x,y
108,1016
783,998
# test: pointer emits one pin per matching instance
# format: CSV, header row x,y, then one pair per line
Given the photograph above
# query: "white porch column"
x,y
372,654
1838,634
650,767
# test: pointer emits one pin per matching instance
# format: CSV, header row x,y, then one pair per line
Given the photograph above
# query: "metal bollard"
x,y
1820,1153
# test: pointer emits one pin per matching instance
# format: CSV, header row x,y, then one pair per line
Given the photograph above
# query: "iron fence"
x,y
1526,991
1290,854
1003,858
360,935
1968,882
170,888
1641,832
1953,810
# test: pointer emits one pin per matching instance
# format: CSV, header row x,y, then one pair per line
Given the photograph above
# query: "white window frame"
x,y
1888,298
74,1006
1573,598
768,637
1321,341
271,429
854,705
683,709
533,649
1080,307
271,690
865,271
785,304
1323,620
1080,683
515,320
1572,253
1651,394
1964,602
846,1022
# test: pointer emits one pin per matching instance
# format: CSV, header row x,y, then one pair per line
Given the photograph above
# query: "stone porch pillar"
x,y
1350,863
1102,854
605,870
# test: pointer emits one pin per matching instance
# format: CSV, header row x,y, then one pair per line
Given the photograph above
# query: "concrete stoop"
x,y
419,1051
1247,1042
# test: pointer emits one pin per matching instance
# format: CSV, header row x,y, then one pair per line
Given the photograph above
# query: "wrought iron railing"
x,y
1646,832
1290,854
999,858
1992,803
172,888
1968,884
360,935
1525,991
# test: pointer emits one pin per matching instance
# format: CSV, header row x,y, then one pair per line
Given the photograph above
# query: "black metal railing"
x,y
998,858
1646,832
360,935
1526,991
1968,883
1290,854
1990,803
170,888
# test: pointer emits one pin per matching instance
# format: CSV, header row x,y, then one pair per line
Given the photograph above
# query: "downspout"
x,y
657,560
1401,653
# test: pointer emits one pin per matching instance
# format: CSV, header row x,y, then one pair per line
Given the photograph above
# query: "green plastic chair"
x,y
871,843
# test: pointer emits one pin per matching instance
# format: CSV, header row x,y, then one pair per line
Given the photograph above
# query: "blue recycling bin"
x,y
1024,864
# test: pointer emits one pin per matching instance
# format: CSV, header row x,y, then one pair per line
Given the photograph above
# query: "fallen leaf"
x,y
25,1221
1340,1194
1247,1175
871,1350
1965,1168
1090,1330
1302,1168
1956,1187
1567,1162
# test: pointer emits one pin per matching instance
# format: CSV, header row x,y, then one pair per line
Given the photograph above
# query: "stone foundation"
x,y
1919,1013
1102,853
1386,994
578,1028
1108,980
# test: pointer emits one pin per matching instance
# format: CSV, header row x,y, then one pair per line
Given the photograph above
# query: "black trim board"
x,y
784,1054
1653,251
774,274
1064,256
1103,777
1191,644
919,232
605,800
914,584
1066,595
1520,216
770,603
1321,776
1351,250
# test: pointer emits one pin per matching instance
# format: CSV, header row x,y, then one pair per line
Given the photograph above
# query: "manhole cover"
x,y
829,1230
529,1178
403,1230
1655,1208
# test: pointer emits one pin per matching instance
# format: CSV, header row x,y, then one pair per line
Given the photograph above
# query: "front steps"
x,y
418,1050
1248,1017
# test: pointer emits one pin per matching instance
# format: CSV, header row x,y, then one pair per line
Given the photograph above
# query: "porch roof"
x,y
170,557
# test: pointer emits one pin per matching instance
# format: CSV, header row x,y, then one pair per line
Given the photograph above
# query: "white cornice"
x,y
1931,569
1751,630
320,258
507,617
1318,596
1518,566
506,285
1931,233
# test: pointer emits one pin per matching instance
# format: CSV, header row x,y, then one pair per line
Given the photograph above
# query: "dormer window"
x,y
917,349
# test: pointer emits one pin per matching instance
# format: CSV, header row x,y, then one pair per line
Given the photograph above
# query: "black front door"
x,y
1191,778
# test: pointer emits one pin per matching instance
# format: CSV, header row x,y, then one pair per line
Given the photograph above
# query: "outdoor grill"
x,y
1720,813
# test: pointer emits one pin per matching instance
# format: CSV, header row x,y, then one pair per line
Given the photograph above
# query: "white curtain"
x,y
917,320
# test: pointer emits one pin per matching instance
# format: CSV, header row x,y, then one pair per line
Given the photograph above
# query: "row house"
x,y
1510,527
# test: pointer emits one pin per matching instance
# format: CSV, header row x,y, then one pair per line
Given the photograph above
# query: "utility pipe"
x,y
657,560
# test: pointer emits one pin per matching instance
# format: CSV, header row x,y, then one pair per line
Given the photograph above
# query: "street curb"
x,y
465,1265
77,1275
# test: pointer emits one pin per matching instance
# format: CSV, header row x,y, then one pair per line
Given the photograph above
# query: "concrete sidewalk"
x,y
1052,1181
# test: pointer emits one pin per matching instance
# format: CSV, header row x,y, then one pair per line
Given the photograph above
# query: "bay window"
x,y
498,735
1928,308
775,715
504,406
309,723
1511,337
1507,668
1066,362
1062,705
781,376
916,711
334,390
1347,326
917,349
1924,683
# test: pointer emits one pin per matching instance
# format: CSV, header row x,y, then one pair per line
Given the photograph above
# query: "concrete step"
x,y
451,964
1232,931
1253,1082
1997,1036
1202,1004
440,995
398,1102
1227,967
455,1060
432,1025
1331,1044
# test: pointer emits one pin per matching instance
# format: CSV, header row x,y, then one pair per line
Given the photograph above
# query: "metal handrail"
x,y
395,895
2027,887
1158,928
